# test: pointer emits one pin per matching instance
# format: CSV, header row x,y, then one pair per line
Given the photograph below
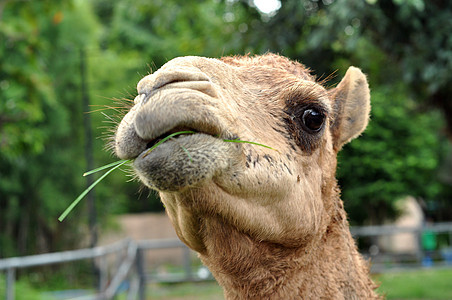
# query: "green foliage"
x,y
424,284
403,45
33,123
22,290
398,155
161,30
24,85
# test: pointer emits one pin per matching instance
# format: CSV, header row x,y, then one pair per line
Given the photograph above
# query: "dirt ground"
x,y
146,226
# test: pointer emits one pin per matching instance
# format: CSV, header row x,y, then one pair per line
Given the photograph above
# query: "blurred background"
x,y
66,68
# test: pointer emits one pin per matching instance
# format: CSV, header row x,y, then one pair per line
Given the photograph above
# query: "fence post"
x,y
134,287
103,273
10,279
450,238
187,263
420,250
140,265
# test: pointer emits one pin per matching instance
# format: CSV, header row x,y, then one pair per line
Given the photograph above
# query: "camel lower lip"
x,y
184,161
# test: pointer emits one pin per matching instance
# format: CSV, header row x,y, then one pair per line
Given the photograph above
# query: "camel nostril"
x,y
140,98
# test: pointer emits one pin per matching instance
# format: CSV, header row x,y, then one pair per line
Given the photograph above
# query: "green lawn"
x,y
185,291
420,284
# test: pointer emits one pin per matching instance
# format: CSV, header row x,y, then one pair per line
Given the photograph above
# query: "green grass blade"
x,y
104,167
76,201
165,139
253,143
188,153
114,165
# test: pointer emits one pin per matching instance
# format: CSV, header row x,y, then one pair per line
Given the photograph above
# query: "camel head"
x,y
284,195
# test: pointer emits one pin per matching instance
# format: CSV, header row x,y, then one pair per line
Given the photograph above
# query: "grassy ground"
x,y
186,291
420,284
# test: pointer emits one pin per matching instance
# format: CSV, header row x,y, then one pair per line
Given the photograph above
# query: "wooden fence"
x,y
131,257
386,261
131,267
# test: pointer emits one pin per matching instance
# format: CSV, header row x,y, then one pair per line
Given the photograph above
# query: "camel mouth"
x,y
177,132
173,110
184,160
167,105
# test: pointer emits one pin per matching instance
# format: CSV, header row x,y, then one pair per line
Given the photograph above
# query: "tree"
x,y
398,155
415,35
30,118
41,153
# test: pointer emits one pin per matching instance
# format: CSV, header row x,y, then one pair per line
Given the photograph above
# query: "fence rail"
x,y
133,262
134,259
62,257
420,254
392,229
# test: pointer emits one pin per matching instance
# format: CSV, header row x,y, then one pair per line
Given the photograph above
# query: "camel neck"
x,y
247,269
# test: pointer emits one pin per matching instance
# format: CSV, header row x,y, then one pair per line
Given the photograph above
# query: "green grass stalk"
x,y
76,201
114,165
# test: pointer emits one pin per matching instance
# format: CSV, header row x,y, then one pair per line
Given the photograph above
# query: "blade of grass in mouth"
x,y
76,201
167,138
252,143
115,165
105,167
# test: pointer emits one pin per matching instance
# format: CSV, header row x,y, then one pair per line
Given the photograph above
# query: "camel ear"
x,y
351,107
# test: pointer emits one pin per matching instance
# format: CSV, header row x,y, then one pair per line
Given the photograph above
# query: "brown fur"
x,y
269,224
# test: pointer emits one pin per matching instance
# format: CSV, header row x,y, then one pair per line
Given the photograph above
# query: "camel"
x,y
268,223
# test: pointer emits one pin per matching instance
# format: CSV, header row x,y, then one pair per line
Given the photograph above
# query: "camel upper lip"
x,y
157,116
197,125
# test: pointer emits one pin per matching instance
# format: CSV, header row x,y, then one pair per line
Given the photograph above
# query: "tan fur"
x,y
269,224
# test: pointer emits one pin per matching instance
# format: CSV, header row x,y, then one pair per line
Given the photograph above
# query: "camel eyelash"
x,y
305,121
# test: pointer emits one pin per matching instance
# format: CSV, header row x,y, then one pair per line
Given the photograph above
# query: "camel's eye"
x,y
313,120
